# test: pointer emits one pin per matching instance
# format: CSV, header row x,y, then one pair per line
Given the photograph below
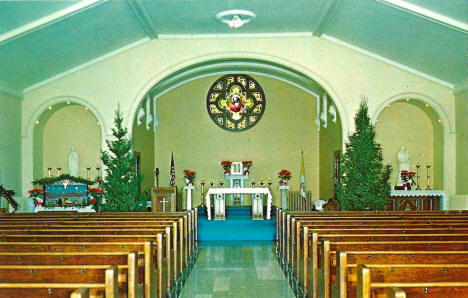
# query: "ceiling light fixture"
x,y
235,18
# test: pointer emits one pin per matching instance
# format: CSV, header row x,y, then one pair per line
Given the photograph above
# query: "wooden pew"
x,y
127,263
286,235
314,278
52,281
441,280
152,274
80,293
347,262
60,223
312,249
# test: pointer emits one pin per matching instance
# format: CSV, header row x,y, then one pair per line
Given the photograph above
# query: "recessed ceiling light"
x,y
235,18
37,122
50,108
68,102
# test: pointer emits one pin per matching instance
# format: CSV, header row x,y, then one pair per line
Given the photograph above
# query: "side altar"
x,y
63,193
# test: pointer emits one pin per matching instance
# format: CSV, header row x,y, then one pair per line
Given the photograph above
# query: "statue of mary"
x,y
403,163
73,162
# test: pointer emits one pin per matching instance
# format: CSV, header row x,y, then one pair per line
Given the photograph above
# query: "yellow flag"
x,y
302,186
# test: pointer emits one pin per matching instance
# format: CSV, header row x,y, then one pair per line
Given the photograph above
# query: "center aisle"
x,y
236,269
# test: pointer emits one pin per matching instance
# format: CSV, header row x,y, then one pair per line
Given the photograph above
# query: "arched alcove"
x,y
416,125
60,127
273,144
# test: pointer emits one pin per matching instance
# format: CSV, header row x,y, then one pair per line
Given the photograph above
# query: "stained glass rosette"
x,y
235,102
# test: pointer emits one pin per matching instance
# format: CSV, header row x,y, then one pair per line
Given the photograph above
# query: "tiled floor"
x,y
233,269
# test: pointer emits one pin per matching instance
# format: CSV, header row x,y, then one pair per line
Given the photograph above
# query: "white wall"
x,y
344,73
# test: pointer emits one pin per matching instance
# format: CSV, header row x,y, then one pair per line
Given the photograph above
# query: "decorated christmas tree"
x,y
121,182
364,179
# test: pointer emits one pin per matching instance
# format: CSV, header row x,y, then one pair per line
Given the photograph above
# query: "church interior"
x,y
241,118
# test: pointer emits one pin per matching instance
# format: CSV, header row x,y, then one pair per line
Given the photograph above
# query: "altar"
x,y
417,200
219,201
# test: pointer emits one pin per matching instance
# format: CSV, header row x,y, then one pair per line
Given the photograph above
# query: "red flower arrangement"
x,y
285,175
35,192
246,165
37,202
407,178
94,190
189,176
226,164
96,195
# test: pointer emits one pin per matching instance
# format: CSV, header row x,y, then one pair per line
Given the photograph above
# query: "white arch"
x,y
449,170
211,69
446,125
29,130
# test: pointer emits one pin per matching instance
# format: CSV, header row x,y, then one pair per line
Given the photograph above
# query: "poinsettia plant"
x,y
36,192
189,176
95,195
285,175
407,177
226,164
246,165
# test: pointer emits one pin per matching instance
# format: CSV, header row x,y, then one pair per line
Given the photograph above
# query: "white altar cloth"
x,y
78,209
409,193
262,190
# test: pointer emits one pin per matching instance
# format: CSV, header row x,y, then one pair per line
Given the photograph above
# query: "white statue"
x,y
73,162
403,163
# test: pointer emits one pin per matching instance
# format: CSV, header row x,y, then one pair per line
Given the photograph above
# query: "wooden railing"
x,y
295,202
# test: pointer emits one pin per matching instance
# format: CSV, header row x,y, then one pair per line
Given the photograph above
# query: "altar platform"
x,y
237,226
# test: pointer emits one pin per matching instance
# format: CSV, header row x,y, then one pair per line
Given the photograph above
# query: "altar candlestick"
x,y
253,183
49,172
98,174
428,178
269,182
202,191
212,183
58,171
221,183
88,174
418,187
261,181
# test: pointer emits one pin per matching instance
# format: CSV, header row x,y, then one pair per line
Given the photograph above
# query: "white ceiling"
x,y
42,39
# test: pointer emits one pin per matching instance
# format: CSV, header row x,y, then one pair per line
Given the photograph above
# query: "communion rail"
x,y
295,202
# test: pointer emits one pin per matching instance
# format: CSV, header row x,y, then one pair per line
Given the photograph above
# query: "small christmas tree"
x,y
364,179
121,182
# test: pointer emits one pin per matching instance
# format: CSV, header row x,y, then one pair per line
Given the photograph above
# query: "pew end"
x,y
80,293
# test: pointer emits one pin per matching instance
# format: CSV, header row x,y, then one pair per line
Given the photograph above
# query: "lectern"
x,y
163,199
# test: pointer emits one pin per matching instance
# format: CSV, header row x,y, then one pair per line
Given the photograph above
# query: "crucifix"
x,y
163,202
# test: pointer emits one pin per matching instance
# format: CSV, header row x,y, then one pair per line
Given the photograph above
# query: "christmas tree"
x,y
364,179
121,182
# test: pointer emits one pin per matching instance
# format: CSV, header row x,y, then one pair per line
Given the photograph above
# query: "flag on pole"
x,y
172,180
302,189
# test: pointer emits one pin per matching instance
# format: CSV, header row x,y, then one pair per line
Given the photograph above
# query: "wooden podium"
x,y
163,199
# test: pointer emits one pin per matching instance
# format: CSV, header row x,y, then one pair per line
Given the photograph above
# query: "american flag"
x,y
172,181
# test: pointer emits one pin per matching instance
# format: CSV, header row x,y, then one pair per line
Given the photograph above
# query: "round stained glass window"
x,y
235,102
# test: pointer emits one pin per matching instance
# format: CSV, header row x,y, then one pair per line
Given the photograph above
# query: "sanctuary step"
x,y
237,226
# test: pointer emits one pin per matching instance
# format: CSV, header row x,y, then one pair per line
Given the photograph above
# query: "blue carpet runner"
x,y
237,226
